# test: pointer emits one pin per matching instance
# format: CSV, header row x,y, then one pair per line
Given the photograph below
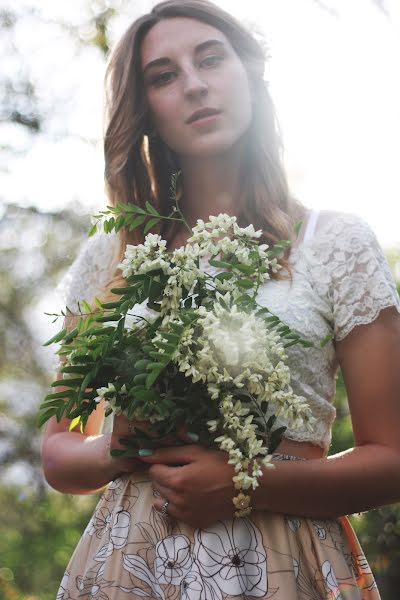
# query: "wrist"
x,y
108,463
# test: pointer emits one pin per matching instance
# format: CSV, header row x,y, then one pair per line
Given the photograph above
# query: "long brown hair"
x,y
139,167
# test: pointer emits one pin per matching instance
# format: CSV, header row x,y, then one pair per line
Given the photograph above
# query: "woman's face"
x,y
196,87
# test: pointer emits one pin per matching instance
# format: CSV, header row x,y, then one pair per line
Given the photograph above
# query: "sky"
x,y
334,80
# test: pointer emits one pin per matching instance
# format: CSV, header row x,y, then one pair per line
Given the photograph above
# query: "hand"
x,y
122,428
191,478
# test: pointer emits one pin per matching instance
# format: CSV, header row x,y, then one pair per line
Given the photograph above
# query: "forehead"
x,y
175,36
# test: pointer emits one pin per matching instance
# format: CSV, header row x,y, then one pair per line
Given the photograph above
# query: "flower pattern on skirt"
x,y
129,550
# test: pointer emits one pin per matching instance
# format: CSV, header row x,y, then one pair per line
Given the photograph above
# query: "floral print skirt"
x,y
129,550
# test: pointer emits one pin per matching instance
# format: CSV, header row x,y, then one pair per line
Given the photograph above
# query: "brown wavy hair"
x,y
139,166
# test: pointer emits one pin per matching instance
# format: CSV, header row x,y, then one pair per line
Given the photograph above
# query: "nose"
x,y
195,85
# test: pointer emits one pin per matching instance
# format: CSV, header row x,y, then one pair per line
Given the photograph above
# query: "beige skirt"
x,y
129,550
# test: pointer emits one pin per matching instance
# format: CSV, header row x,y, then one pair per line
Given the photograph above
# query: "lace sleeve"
x,y
90,271
354,272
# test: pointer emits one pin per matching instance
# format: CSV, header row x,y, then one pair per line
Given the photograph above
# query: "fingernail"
x,y
193,436
145,452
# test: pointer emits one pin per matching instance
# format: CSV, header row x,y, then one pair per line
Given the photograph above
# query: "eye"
x,y
212,61
162,78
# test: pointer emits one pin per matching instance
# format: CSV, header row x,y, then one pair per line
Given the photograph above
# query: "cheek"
x,y
163,109
238,93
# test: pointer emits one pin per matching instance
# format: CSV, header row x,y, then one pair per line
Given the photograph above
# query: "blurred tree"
x,y
38,536
30,266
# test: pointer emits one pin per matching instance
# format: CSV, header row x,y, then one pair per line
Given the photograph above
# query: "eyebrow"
x,y
164,60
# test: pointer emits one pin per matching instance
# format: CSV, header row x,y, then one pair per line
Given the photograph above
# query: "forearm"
x,y
357,480
77,464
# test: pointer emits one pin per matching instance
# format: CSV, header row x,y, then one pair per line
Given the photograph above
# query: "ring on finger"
x,y
164,509
156,493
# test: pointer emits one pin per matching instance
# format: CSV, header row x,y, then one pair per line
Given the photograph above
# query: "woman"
x,y
186,91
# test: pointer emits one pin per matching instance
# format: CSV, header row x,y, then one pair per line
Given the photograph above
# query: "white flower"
x,y
231,554
173,559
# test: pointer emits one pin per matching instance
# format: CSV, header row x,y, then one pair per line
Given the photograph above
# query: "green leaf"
x,y
147,348
151,209
87,306
140,378
150,224
245,283
222,264
121,329
92,230
262,311
141,364
45,416
292,343
107,305
71,335
154,306
272,319
328,338
106,318
119,223
137,222
172,338
224,276
125,291
86,381
169,348
56,338
297,228
275,438
60,412
158,357
98,331
76,369
306,343
247,269
135,209
63,394
105,226
66,382
151,378
74,423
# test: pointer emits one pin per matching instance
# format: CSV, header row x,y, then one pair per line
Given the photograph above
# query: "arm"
x,y
74,462
80,463
368,475
365,477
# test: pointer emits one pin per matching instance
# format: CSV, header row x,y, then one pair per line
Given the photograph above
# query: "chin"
x,y
209,148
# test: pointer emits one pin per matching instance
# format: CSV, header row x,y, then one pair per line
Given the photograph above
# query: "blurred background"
x,y
333,71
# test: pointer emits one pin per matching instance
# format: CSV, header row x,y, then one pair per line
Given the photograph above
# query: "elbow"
x,y
54,468
50,466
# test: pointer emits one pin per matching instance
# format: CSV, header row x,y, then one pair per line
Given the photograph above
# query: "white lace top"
x,y
340,280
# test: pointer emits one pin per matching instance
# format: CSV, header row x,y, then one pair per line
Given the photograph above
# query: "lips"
x,y
202,114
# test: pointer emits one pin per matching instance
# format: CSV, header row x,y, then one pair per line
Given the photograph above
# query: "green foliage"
x,y
38,535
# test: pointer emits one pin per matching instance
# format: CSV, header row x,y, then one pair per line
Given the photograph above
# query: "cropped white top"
x,y
340,280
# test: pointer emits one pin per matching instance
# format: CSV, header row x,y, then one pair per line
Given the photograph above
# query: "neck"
x,y
211,186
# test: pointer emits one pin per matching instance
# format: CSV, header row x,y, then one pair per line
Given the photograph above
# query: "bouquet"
x,y
185,341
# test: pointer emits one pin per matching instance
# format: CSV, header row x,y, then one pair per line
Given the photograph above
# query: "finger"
x,y
128,465
162,491
162,474
170,512
187,436
175,455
